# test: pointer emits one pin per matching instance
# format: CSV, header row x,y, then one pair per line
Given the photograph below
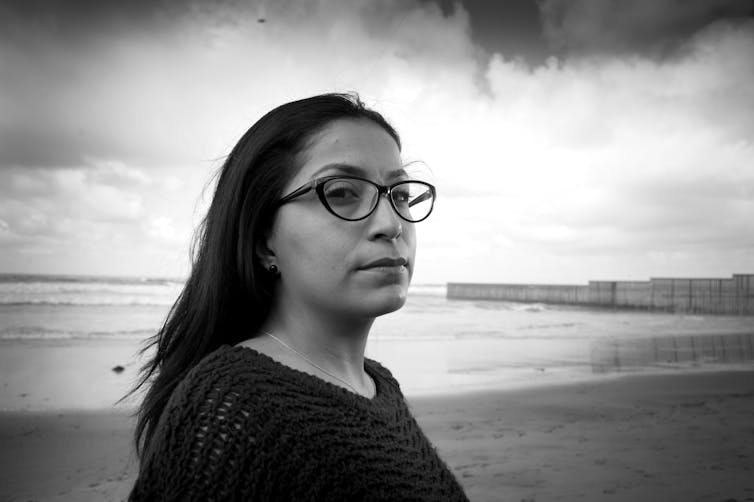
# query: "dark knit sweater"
x,y
242,426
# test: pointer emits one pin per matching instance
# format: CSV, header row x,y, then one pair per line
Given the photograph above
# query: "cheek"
x,y
311,246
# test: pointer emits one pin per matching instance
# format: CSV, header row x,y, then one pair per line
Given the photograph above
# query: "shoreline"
x,y
670,436
64,375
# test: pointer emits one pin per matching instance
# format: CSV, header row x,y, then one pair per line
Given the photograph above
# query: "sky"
x,y
569,140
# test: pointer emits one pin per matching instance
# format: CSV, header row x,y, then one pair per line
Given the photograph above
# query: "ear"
x,y
263,250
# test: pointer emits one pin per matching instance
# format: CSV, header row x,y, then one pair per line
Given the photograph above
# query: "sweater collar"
x,y
385,384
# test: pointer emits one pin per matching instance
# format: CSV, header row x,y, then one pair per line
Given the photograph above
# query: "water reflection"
x,y
627,354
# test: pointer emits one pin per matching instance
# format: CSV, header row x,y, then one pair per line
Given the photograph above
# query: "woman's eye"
x,y
342,193
401,196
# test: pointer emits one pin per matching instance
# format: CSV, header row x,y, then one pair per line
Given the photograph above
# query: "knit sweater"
x,y
242,426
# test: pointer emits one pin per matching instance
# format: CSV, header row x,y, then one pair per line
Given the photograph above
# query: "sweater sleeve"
x,y
204,447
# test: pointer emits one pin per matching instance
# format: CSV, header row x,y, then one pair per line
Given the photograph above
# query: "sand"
x,y
65,456
643,438
660,437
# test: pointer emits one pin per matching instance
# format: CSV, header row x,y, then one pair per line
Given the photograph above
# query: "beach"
x,y
525,402
672,436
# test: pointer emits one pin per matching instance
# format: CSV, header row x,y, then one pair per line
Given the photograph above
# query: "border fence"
x,y
734,296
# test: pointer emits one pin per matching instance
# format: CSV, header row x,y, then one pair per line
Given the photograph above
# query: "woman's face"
x,y
324,261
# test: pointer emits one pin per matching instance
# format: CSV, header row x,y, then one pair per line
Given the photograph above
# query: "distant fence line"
x,y
710,296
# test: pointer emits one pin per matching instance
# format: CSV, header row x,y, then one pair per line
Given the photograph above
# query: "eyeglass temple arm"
x,y
300,191
426,195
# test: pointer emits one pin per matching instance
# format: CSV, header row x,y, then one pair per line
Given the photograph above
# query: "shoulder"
x,y
212,419
229,374
229,395
223,364
220,387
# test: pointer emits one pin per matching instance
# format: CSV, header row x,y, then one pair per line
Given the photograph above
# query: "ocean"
x,y
432,345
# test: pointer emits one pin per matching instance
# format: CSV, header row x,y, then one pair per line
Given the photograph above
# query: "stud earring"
x,y
274,270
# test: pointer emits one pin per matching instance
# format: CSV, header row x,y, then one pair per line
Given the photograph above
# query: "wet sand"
x,y
672,436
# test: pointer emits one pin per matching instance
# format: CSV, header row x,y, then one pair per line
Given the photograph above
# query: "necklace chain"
x,y
320,368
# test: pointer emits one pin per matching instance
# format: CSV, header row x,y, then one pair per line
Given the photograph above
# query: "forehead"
x,y
358,143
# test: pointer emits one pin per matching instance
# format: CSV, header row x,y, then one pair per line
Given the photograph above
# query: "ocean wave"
x,y
550,325
84,279
41,289
528,307
46,290
428,290
402,337
40,333
504,305
87,302
18,290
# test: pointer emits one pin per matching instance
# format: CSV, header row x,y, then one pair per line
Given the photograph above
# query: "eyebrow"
x,y
353,170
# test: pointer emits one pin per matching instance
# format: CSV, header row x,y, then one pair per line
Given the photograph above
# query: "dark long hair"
x,y
228,293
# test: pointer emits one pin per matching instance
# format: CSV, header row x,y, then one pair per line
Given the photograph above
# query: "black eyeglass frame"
x,y
318,185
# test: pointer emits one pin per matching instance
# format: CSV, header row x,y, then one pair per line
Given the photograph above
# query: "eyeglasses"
x,y
352,199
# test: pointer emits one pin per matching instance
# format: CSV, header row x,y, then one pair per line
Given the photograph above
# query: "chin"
x,y
385,300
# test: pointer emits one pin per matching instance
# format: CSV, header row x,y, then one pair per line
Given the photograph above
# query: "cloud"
x,y
103,219
596,158
48,203
139,84
162,228
647,27
626,164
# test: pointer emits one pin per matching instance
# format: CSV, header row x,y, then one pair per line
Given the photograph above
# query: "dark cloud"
x,y
73,88
532,30
46,49
135,81
646,27
68,17
511,28
69,22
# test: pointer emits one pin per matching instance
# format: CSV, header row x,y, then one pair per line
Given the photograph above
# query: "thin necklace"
x,y
320,368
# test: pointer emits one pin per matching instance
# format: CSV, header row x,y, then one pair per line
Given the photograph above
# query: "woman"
x,y
262,390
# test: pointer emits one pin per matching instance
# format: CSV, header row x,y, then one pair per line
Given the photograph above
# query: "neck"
x,y
333,342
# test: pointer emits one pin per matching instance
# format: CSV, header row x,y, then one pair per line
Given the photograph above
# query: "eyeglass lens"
x,y
354,199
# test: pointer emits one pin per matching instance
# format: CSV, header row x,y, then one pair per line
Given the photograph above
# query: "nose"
x,y
385,222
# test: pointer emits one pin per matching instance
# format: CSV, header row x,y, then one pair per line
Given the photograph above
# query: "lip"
x,y
386,262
